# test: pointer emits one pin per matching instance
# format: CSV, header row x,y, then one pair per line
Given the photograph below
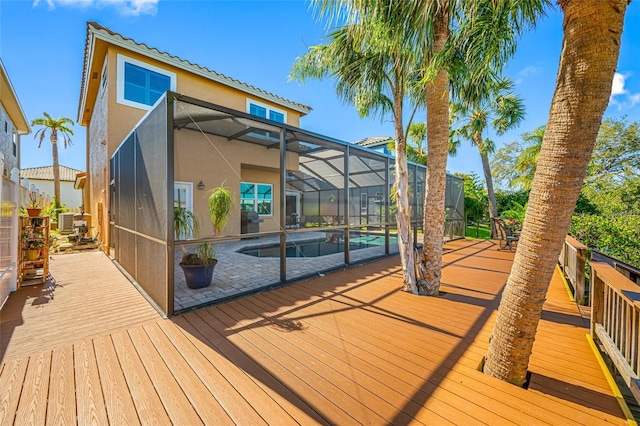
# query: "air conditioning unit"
x,y
65,223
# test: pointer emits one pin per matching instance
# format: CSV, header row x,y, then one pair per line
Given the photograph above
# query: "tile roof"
x,y
95,30
374,141
67,174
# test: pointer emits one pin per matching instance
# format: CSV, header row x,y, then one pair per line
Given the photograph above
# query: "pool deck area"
x,y
231,276
345,348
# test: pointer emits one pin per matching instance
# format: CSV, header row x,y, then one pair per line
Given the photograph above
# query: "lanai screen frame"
x,y
148,156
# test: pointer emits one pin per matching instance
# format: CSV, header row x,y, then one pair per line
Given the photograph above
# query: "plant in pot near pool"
x,y
198,265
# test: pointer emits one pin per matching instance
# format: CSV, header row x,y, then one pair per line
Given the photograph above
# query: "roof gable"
x,y
96,32
67,174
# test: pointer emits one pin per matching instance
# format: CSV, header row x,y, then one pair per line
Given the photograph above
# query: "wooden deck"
x,y
346,348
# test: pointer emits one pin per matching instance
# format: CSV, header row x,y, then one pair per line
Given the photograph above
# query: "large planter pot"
x,y
198,276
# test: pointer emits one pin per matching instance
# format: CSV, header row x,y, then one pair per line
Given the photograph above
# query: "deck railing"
x,y
573,258
615,320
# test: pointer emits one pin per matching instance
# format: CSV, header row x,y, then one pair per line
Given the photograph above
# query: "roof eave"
x,y
12,104
129,44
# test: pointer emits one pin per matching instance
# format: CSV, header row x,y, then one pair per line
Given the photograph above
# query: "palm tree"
x,y
373,70
485,37
54,126
591,45
499,107
486,33
515,163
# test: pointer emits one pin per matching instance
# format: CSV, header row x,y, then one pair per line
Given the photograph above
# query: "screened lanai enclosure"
x,y
303,203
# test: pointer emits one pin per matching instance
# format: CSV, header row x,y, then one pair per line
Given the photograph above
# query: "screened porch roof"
x,y
321,159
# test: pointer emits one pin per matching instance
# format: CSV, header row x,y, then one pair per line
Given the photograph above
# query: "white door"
x,y
183,198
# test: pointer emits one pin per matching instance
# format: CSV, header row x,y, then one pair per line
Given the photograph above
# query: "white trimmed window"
x,y
103,79
140,85
256,197
266,111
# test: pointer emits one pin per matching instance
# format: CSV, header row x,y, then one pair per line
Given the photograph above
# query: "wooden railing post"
x,y
581,253
597,300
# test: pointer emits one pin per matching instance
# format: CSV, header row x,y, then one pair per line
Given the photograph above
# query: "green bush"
x,y
617,236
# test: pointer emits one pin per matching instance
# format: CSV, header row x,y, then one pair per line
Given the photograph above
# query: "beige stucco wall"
x,y
123,118
111,122
231,162
97,184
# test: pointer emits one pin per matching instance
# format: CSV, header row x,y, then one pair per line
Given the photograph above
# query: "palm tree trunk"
x,y
592,30
486,169
403,217
56,168
437,98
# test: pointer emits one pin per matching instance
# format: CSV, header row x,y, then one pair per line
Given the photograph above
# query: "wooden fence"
x,y
615,320
573,259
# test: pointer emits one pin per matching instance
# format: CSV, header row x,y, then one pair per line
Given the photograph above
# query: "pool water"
x,y
317,248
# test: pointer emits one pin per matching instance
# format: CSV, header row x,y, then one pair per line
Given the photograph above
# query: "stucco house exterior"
x,y
13,122
162,130
122,80
42,177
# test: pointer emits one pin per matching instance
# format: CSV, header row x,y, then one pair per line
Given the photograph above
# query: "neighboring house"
x,y
377,143
42,177
13,123
123,79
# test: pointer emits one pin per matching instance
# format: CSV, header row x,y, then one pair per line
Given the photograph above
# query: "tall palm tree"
x,y
55,127
500,108
486,37
373,70
591,45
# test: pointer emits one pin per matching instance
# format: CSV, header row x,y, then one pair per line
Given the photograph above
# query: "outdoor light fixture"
x,y
201,186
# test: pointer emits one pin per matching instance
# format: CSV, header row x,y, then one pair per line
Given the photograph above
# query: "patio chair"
x,y
504,235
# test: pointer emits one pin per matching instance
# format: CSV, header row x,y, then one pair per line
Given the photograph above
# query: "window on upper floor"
x,y
140,85
15,144
265,111
103,79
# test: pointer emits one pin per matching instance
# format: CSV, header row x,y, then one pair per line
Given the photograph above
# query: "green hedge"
x,y
617,236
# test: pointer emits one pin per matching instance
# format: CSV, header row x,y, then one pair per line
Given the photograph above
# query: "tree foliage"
x,y
617,236
476,203
515,163
55,128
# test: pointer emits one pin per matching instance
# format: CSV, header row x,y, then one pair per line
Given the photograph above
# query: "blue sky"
x,y
42,47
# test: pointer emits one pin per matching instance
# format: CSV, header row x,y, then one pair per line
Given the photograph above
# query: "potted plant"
x,y
198,266
220,205
33,210
33,249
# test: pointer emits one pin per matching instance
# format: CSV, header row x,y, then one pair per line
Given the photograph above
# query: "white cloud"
x,y
529,70
124,7
526,72
620,95
617,88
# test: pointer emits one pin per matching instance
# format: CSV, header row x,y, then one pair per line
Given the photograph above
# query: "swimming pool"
x,y
317,248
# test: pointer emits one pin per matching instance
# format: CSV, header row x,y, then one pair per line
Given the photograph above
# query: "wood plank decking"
x,y
346,348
